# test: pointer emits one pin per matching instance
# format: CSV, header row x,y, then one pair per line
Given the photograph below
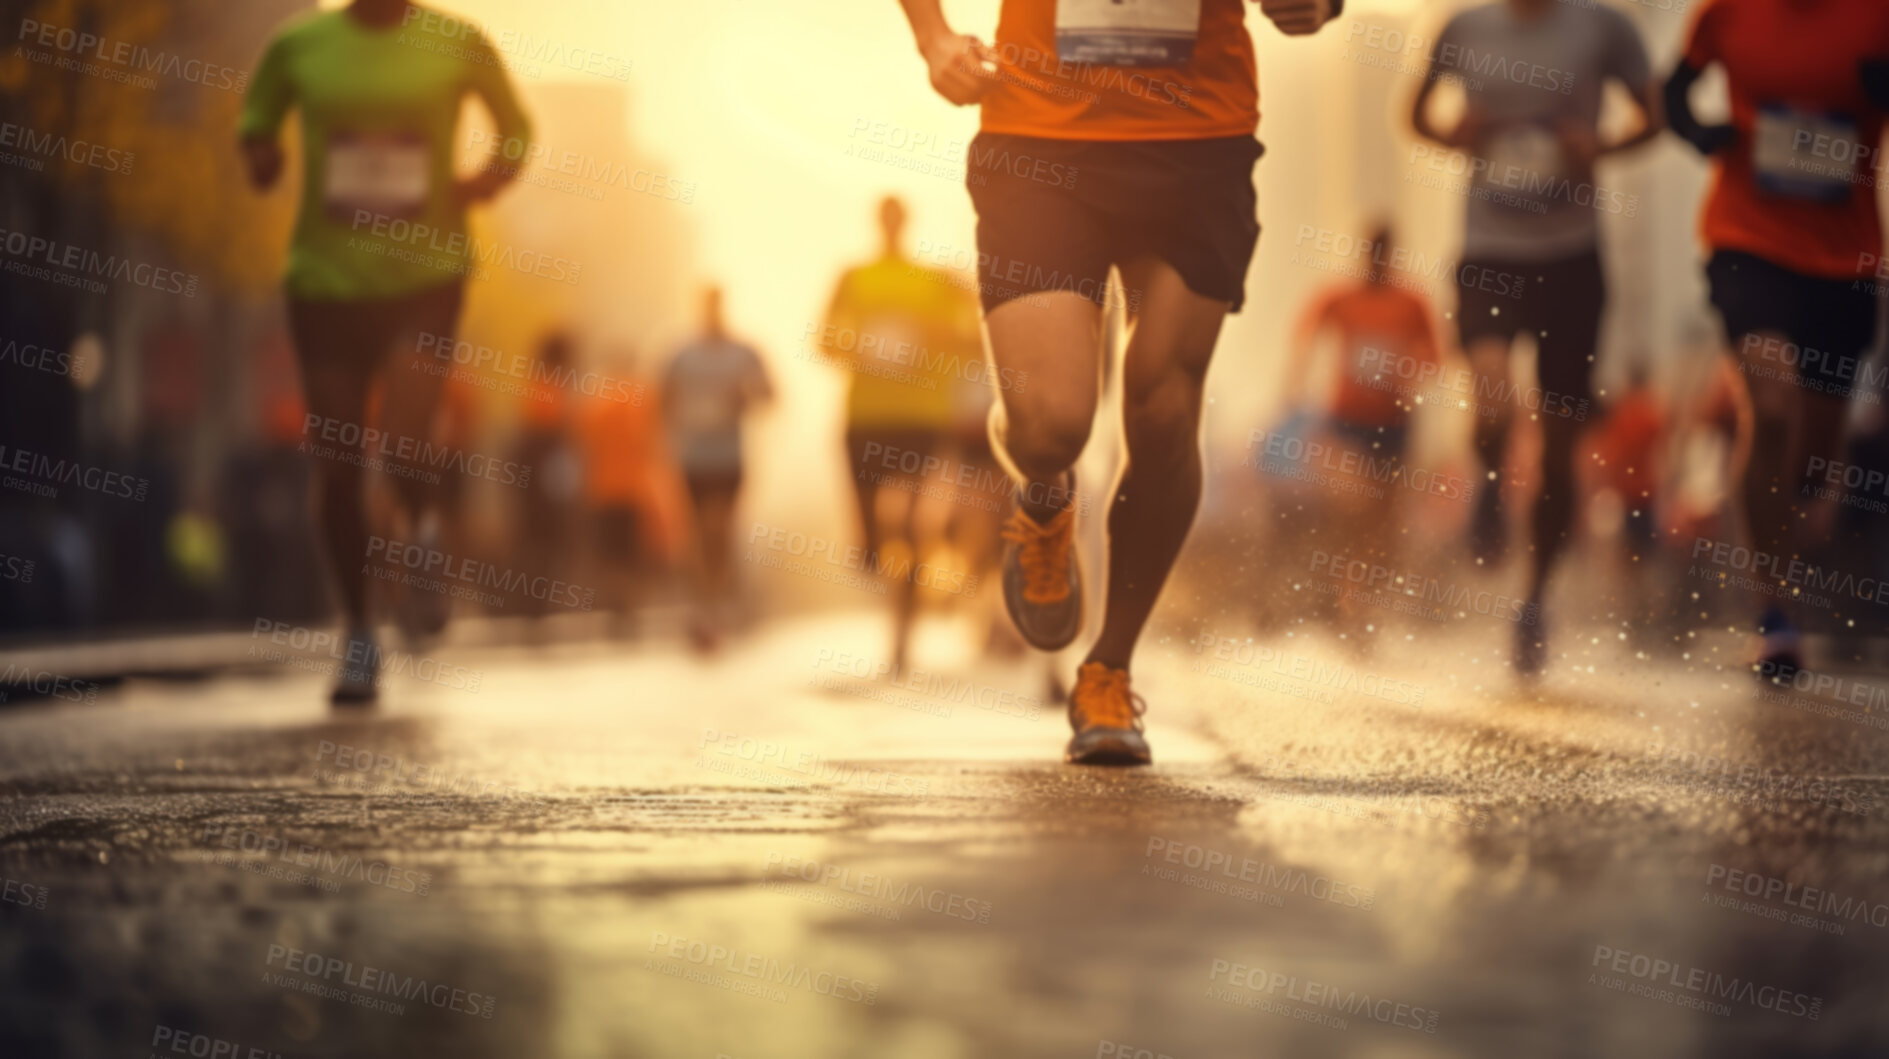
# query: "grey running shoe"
x,y
1043,579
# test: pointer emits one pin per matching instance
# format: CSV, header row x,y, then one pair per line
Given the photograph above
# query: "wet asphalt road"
x,y
625,851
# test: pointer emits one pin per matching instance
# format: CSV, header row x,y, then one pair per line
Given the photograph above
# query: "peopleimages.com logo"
x,y
376,982
1699,987
762,970
169,1040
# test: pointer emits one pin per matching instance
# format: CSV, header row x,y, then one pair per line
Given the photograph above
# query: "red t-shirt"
x,y
1385,336
1796,96
1627,444
1214,94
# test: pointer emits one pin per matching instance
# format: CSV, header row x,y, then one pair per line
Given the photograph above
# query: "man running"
x,y
710,386
1386,340
379,86
1795,240
1532,73
904,331
1112,134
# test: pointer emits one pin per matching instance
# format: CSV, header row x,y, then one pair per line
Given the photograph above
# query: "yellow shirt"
x,y
909,335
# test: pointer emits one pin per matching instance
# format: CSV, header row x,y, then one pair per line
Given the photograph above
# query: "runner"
x,y
547,528
1534,213
710,387
1386,337
1625,456
1113,134
626,495
905,332
1626,481
1794,234
379,93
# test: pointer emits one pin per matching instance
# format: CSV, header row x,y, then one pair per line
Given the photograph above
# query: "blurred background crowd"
x,y
195,394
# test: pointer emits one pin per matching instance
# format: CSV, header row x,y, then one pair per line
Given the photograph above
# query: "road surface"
x,y
622,850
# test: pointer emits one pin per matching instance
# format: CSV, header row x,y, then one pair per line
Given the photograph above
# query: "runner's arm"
x,y
1646,96
760,385
957,62
1701,51
1707,139
259,128
1438,66
1296,18
839,320
494,87
1875,76
1630,66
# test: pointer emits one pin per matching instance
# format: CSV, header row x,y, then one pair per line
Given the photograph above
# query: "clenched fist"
x,y
1296,18
961,66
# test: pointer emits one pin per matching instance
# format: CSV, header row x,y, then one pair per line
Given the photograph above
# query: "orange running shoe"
x,y
1043,579
1107,719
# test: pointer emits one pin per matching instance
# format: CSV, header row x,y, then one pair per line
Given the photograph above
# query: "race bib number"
x,y
1127,32
1804,156
388,173
1523,158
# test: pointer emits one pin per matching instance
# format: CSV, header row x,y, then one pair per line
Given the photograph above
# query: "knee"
x,y
1162,416
1047,439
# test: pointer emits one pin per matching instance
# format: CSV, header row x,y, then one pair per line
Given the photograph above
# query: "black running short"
x,y
712,486
1831,321
619,531
1561,305
343,346
357,337
1053,215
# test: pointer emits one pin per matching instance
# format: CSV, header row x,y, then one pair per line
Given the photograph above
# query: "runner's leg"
x,y
1054,339
715,511
1495,413
1553,516
1772,479
411,394
865,487
1152,506
334,344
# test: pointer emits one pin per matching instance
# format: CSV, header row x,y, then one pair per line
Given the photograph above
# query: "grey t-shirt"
x,y
710,385
1528,200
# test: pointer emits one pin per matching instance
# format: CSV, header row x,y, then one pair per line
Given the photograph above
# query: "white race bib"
x,y
1127,32
1524,157
388,173
1802,155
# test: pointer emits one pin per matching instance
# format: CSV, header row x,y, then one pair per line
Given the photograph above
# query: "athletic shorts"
x,y
358,335
619,530
704,486
1561,306
1832,317
1053,215
341,347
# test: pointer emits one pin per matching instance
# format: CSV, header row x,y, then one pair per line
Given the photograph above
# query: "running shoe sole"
x,y
1108,746
351,697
